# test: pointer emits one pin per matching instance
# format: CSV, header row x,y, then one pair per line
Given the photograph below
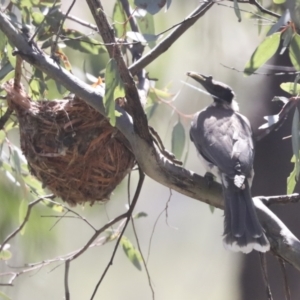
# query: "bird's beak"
x,y
198,77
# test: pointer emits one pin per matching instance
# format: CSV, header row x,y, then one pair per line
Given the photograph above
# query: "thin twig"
x,y
75,213
82,22
97,233
138,242
260,7
30,205
129,214
67,257
42,23
66,280
247,11
263,263
263,74
285,280
53,47
165,44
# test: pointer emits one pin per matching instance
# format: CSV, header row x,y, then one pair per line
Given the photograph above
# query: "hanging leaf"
x,y
121,25
133,254
114,89
147,28
151,6
291,180
10,56
178,139
296,141
294,52
263,53
37,18
291,88
287,37
237,10
140,215
77,41
211,208
279,1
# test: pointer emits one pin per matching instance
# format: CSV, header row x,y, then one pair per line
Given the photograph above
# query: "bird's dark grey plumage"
x,y
223,138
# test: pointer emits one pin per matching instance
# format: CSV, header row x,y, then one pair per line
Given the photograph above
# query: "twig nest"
x,y
70,147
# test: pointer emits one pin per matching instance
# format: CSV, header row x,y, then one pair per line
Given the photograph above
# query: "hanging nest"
x,y
70,147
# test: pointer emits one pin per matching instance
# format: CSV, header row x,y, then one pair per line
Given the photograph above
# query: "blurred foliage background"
x,y
187,259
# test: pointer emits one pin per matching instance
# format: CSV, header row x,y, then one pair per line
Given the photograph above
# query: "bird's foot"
x,y
210,178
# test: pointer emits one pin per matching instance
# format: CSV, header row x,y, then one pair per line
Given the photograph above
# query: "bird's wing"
x,y
224,138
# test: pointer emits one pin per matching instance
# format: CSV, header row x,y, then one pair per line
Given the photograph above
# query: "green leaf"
x,y
3,42
7,68
37,18
114,89
294,52
290,87
4,296
291,181
133,254
279,1
287,37
77,41
53,206
296,141
147,28
211,208
151,6
178,139
140,215
237,10
263,53
11,58
5,255
119,17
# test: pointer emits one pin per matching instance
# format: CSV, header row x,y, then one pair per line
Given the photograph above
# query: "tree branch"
x,y
167,42
156,166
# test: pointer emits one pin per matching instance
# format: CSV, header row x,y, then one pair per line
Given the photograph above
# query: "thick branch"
x,y
132,96
284,243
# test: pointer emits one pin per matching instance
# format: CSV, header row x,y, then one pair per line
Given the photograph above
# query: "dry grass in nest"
x,y
70,147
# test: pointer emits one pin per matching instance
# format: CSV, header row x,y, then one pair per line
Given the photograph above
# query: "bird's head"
x,y
221,92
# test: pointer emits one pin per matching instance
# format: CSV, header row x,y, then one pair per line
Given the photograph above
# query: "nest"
x,y
70,147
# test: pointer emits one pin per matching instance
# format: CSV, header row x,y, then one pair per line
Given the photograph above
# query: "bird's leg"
x,y
210,178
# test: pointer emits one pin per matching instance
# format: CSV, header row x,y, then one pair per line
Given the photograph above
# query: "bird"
x,y
223,139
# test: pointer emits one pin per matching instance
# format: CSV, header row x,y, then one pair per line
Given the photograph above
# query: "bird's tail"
x,y
242,230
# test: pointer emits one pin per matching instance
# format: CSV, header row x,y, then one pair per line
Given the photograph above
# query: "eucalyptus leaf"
x,y
296,141
77,41
294,51
287,37
263,53
178,139
290,88
237,10
114,89
131,252
291,181
151,6
119,17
